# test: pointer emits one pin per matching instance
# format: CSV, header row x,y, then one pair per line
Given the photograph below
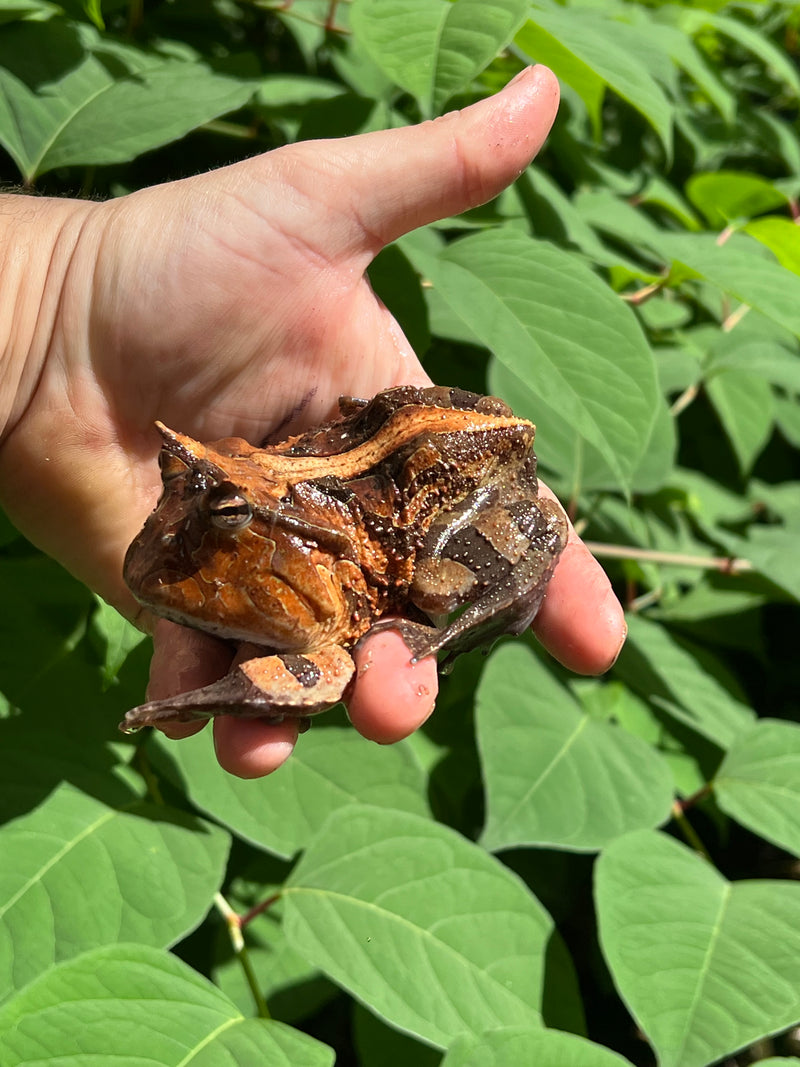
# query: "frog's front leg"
x,y
268,687
498,563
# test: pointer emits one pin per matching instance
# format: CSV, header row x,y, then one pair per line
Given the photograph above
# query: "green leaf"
x,y
129,1004
777,62
518,1046
520,297
769,360
572,466
773,552
682,681
68,98
737,268
77,874
781,237
330,768
93,9
116,636
728,195
11,10
554,776
435,935
592,53
744,405
705,966
40,598
758,782
433,48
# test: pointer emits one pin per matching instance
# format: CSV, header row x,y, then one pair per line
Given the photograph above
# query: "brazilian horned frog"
x,y
415,503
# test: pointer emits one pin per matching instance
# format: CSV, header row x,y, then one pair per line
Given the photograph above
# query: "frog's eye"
x,y
229,510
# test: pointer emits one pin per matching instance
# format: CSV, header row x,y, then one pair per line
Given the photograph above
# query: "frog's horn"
x,y
189,452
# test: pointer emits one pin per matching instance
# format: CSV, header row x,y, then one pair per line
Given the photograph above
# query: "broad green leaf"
x,y
116,636
781,237
758,782
433,48
331,767
519,297
130,1004
434,934
566,458
77,874
768,359
11,10
294,90
728,195
706,966
775,59
517,1046
40,598
554,776
773,552
591,53
686,55
737,268
683,681
691,759
743,403
68,98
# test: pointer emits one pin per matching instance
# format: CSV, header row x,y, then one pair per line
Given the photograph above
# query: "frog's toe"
x,y
268,687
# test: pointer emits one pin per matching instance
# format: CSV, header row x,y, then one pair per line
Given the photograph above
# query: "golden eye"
x,y
230,510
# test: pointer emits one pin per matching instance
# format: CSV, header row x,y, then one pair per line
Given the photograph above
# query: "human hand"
x,y
235,303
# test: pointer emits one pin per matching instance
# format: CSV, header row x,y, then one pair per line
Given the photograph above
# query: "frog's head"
x,y
201,555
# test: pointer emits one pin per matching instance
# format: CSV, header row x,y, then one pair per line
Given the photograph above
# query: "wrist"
x,y
37,240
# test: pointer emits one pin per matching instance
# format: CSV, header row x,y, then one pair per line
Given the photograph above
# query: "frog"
x,y
417,510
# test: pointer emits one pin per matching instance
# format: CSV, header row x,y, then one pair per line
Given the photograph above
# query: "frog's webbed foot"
x,y
265,687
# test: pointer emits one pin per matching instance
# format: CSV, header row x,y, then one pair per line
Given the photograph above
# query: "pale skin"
x,y
235,303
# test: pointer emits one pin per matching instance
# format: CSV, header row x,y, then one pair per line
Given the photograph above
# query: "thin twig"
x,y
643,294
234,923
689,832
735,318
725,564
258,909
684,400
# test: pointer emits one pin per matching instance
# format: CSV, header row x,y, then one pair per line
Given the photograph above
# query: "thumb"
x,y
386,183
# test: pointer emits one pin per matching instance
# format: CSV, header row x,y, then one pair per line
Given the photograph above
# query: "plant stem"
x,y
684,400
725,564
689,831
234,923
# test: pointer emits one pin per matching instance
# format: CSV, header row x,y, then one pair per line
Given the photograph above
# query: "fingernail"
x,y
621,646
518,77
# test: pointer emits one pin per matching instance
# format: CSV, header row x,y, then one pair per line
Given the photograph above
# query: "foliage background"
x,y
556,870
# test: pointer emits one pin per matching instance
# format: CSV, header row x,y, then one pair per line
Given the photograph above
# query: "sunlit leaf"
x,y
758,782
554,776
432,48
590,53
78,874
520,298
127,1003
331,767
438,937
706,966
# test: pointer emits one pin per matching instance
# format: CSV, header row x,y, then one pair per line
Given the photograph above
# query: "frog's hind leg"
x,y
499,566
265,687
